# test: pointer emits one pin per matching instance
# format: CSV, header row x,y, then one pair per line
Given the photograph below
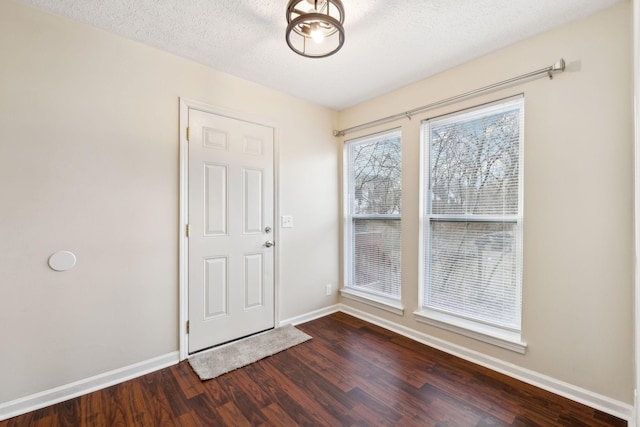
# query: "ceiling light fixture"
x,y
315,27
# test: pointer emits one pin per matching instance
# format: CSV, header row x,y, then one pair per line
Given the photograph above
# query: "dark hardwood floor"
x,y
350,374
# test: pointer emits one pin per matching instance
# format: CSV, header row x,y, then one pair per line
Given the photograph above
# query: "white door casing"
x,y
230,215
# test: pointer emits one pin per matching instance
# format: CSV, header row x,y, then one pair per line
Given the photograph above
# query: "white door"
x,y
231,260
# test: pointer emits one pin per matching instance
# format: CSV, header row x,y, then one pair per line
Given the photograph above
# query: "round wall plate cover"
x,y
62,261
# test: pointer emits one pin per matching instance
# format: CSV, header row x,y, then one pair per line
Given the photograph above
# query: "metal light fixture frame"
x,y
302,24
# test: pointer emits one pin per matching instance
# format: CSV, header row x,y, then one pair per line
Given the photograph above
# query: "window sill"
x,y
489,334
387,304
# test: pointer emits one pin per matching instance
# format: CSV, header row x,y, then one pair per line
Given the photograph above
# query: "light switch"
x,y
287,221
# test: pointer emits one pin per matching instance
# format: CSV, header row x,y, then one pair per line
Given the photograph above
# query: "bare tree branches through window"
x,y
473,205
374,187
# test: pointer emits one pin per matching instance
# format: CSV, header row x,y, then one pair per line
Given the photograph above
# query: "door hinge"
x,y
188,326
188,133
188,230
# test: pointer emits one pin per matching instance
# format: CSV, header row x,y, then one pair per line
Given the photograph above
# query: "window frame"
x,y
348,290
504,337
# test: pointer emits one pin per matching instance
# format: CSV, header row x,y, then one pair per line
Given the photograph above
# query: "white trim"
x,y
185,105
636,128
183,249
348,216
428,312
561,388
232,114
468,328
307,317
69,391
387,304
88,385
277,225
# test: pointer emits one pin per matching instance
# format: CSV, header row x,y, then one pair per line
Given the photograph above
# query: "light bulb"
x,y
316,33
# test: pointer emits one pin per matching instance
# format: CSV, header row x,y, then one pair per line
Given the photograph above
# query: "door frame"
x,y
183,274
636,214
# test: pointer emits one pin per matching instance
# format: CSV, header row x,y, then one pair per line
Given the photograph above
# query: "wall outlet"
x,y
328,289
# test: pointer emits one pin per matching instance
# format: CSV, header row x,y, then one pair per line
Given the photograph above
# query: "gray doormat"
x,y
220,360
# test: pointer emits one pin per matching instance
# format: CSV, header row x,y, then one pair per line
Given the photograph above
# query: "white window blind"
x,y
373,211
472,223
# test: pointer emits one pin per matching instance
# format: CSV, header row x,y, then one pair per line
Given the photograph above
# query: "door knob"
x,y
269,243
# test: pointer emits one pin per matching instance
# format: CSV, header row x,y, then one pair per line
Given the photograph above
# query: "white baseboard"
x,y
561,388
52,396
310,316
107,379
69,391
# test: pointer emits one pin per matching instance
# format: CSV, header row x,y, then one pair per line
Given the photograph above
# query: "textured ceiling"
x,y
389,43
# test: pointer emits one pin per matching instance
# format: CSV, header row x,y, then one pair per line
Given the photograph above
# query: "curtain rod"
x,y
557,67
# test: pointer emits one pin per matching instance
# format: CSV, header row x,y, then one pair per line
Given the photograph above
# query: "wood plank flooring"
x,y
350,374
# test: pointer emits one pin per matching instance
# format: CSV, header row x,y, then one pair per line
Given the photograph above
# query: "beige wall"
x,y
89,162
578,182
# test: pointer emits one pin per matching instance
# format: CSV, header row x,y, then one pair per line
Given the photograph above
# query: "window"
x,y
472,222
373,190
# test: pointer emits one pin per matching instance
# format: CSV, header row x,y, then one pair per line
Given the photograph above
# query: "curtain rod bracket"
x,y
559,66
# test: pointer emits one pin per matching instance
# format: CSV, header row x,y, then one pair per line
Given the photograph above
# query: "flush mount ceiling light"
x,y
315,27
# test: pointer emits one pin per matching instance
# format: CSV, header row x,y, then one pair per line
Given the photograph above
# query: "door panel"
x,y
215,205
231,284
253,201
215,287
253,283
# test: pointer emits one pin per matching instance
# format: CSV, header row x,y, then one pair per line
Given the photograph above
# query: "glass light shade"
x,y
315,27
